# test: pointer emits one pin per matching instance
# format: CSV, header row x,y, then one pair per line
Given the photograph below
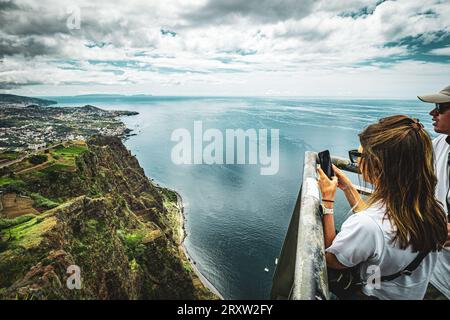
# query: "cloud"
x,y
266,11
8,5
7,85
29,46
441,51
187,43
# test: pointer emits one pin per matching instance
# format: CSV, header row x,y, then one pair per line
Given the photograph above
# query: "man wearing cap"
x,y
440,279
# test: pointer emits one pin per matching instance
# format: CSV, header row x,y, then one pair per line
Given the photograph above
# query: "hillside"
x,y
14,100
92,206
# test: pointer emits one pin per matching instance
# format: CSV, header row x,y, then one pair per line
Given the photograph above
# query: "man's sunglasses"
x,y
354,155
442,107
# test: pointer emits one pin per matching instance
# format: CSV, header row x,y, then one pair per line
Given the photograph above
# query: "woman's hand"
x,y
327,187
352,195
344,181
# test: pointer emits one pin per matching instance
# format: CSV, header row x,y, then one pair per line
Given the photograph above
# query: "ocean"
x,y
236,218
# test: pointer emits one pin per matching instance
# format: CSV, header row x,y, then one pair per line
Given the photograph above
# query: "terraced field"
x,y
14,206
14,201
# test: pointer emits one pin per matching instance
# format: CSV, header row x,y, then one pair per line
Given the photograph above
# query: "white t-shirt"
x,y
365,238
441,275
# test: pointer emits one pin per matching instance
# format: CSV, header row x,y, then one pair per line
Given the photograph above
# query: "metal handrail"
x,y
301,272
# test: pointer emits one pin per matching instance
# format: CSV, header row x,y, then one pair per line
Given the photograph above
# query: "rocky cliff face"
x,y
121,231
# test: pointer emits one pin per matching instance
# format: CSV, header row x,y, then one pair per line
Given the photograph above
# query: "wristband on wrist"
x,y
327,211
325,200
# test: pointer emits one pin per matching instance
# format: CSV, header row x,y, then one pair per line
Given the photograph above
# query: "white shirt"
x,y
365,238
440,278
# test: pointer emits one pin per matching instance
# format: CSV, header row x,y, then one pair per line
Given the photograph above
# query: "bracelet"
x,y
327,211
324,200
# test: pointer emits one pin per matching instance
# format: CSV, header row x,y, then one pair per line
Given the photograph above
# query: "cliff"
x,y
102,215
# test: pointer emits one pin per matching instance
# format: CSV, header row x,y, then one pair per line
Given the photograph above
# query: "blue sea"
x,y
236,218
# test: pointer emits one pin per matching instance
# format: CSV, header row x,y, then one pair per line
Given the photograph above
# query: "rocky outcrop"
x,y
120,230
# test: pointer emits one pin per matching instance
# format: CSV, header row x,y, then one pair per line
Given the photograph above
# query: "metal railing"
x,y
301,272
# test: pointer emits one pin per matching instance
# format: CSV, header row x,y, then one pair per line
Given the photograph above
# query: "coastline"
x,y
183,235
181,229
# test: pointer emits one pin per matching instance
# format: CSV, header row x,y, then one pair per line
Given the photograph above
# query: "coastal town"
x,y
25,128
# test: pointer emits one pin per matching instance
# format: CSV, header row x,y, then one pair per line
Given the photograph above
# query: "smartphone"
x,y
325,163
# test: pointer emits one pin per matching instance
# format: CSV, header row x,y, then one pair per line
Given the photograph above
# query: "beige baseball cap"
x,y
442,97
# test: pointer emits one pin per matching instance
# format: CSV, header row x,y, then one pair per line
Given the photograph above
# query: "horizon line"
x,y
224,96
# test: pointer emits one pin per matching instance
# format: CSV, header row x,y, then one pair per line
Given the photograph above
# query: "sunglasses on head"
x,y
354,155
442,107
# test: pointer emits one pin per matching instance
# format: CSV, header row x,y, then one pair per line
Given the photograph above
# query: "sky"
x,y
320,48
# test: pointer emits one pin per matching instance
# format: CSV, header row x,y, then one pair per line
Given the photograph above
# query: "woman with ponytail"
x,y
393,237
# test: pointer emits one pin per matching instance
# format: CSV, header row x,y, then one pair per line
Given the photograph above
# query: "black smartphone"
x,y
325,163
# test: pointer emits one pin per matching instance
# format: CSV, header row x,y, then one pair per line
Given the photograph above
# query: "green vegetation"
x,y
187,266
24,232
57,167
37,159
68,155
134,266
133,243
125,239
11,155
72,150
20,240
29,234
8,223
8,181
169,195
42,202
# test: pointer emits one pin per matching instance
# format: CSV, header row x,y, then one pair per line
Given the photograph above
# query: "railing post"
x,y
310,277
302,273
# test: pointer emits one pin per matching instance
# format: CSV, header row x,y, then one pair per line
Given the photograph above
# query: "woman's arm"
x,y
328,189
329,230
332,261
353,197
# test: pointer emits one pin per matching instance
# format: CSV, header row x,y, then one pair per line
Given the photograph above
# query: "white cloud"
x,y
441,51
216,43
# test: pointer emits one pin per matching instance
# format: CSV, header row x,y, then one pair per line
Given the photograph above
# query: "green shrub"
x,y
37,159
169,194
133,243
